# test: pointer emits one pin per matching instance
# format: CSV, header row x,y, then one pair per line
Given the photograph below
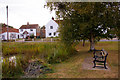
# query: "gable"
x,y
51,23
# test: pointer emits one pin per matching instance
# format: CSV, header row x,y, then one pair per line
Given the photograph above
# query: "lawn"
x,y
72,67
64,61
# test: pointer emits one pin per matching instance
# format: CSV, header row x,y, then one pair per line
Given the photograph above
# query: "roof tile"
x,y
30,26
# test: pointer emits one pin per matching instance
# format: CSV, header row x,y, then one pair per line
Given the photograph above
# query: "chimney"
x,y
52,18
27,23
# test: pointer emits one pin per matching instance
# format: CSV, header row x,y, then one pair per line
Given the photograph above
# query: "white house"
x,y
52,28
28,30
12,33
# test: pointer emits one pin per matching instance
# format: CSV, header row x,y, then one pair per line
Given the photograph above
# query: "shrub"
x,y
32,36
9,69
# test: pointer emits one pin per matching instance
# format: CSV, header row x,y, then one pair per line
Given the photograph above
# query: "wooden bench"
x,y
100,56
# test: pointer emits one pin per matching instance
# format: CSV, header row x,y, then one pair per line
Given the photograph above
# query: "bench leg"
x,y
94,64
105,65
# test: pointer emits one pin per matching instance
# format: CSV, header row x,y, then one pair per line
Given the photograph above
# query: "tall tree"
x,y
91,21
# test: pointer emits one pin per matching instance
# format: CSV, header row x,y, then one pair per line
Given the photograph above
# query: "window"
x,y
21,34
13,35
49,34
31,29
21,30
3,36
54,33
51,27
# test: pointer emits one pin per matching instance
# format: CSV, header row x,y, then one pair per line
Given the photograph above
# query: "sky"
x,y
22,11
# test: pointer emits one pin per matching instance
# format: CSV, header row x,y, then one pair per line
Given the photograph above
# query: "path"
x,y
88,65
74,68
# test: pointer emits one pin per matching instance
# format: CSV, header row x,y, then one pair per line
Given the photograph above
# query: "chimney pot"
x,y
27,24
52,18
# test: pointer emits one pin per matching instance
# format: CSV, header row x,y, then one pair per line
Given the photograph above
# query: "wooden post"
x,y
7,25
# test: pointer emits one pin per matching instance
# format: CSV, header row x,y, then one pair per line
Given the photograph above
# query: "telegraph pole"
x,y
7,24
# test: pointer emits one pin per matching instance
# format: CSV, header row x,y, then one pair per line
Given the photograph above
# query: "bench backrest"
x,y
100,54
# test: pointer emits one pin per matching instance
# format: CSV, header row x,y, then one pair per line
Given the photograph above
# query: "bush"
x,y
28,39
9,69
38,37
32,36
8,40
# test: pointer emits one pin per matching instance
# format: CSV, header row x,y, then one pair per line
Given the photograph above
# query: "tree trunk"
x,y
92,43
83,42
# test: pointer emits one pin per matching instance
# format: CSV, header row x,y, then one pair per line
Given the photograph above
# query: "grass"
x,y
48,39
9,69
72,67
48,52
51,52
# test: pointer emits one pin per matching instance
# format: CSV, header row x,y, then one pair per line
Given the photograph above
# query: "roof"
x,y
4,29
58,21
30,26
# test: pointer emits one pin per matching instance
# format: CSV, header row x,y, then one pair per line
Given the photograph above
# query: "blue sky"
x,y
23,11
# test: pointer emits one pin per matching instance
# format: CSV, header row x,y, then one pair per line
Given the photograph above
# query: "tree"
x,y
91,21
43,27
4,25
32,36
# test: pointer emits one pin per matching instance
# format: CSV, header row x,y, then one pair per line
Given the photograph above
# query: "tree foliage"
x,y
5,25
91,21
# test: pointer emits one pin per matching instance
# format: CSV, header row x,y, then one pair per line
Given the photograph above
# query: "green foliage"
x,y
32,36
91,21
42,50
4,25
48,52
10,70
60,53
43,27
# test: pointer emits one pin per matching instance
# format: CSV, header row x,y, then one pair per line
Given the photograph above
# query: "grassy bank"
x,y
48,52
73,67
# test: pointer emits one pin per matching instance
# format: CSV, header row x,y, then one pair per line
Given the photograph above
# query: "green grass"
x,y
110,45
47,51
48,39
69,63
72,67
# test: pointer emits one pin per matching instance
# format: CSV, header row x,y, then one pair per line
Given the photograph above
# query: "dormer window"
x,y
51,27
31,29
